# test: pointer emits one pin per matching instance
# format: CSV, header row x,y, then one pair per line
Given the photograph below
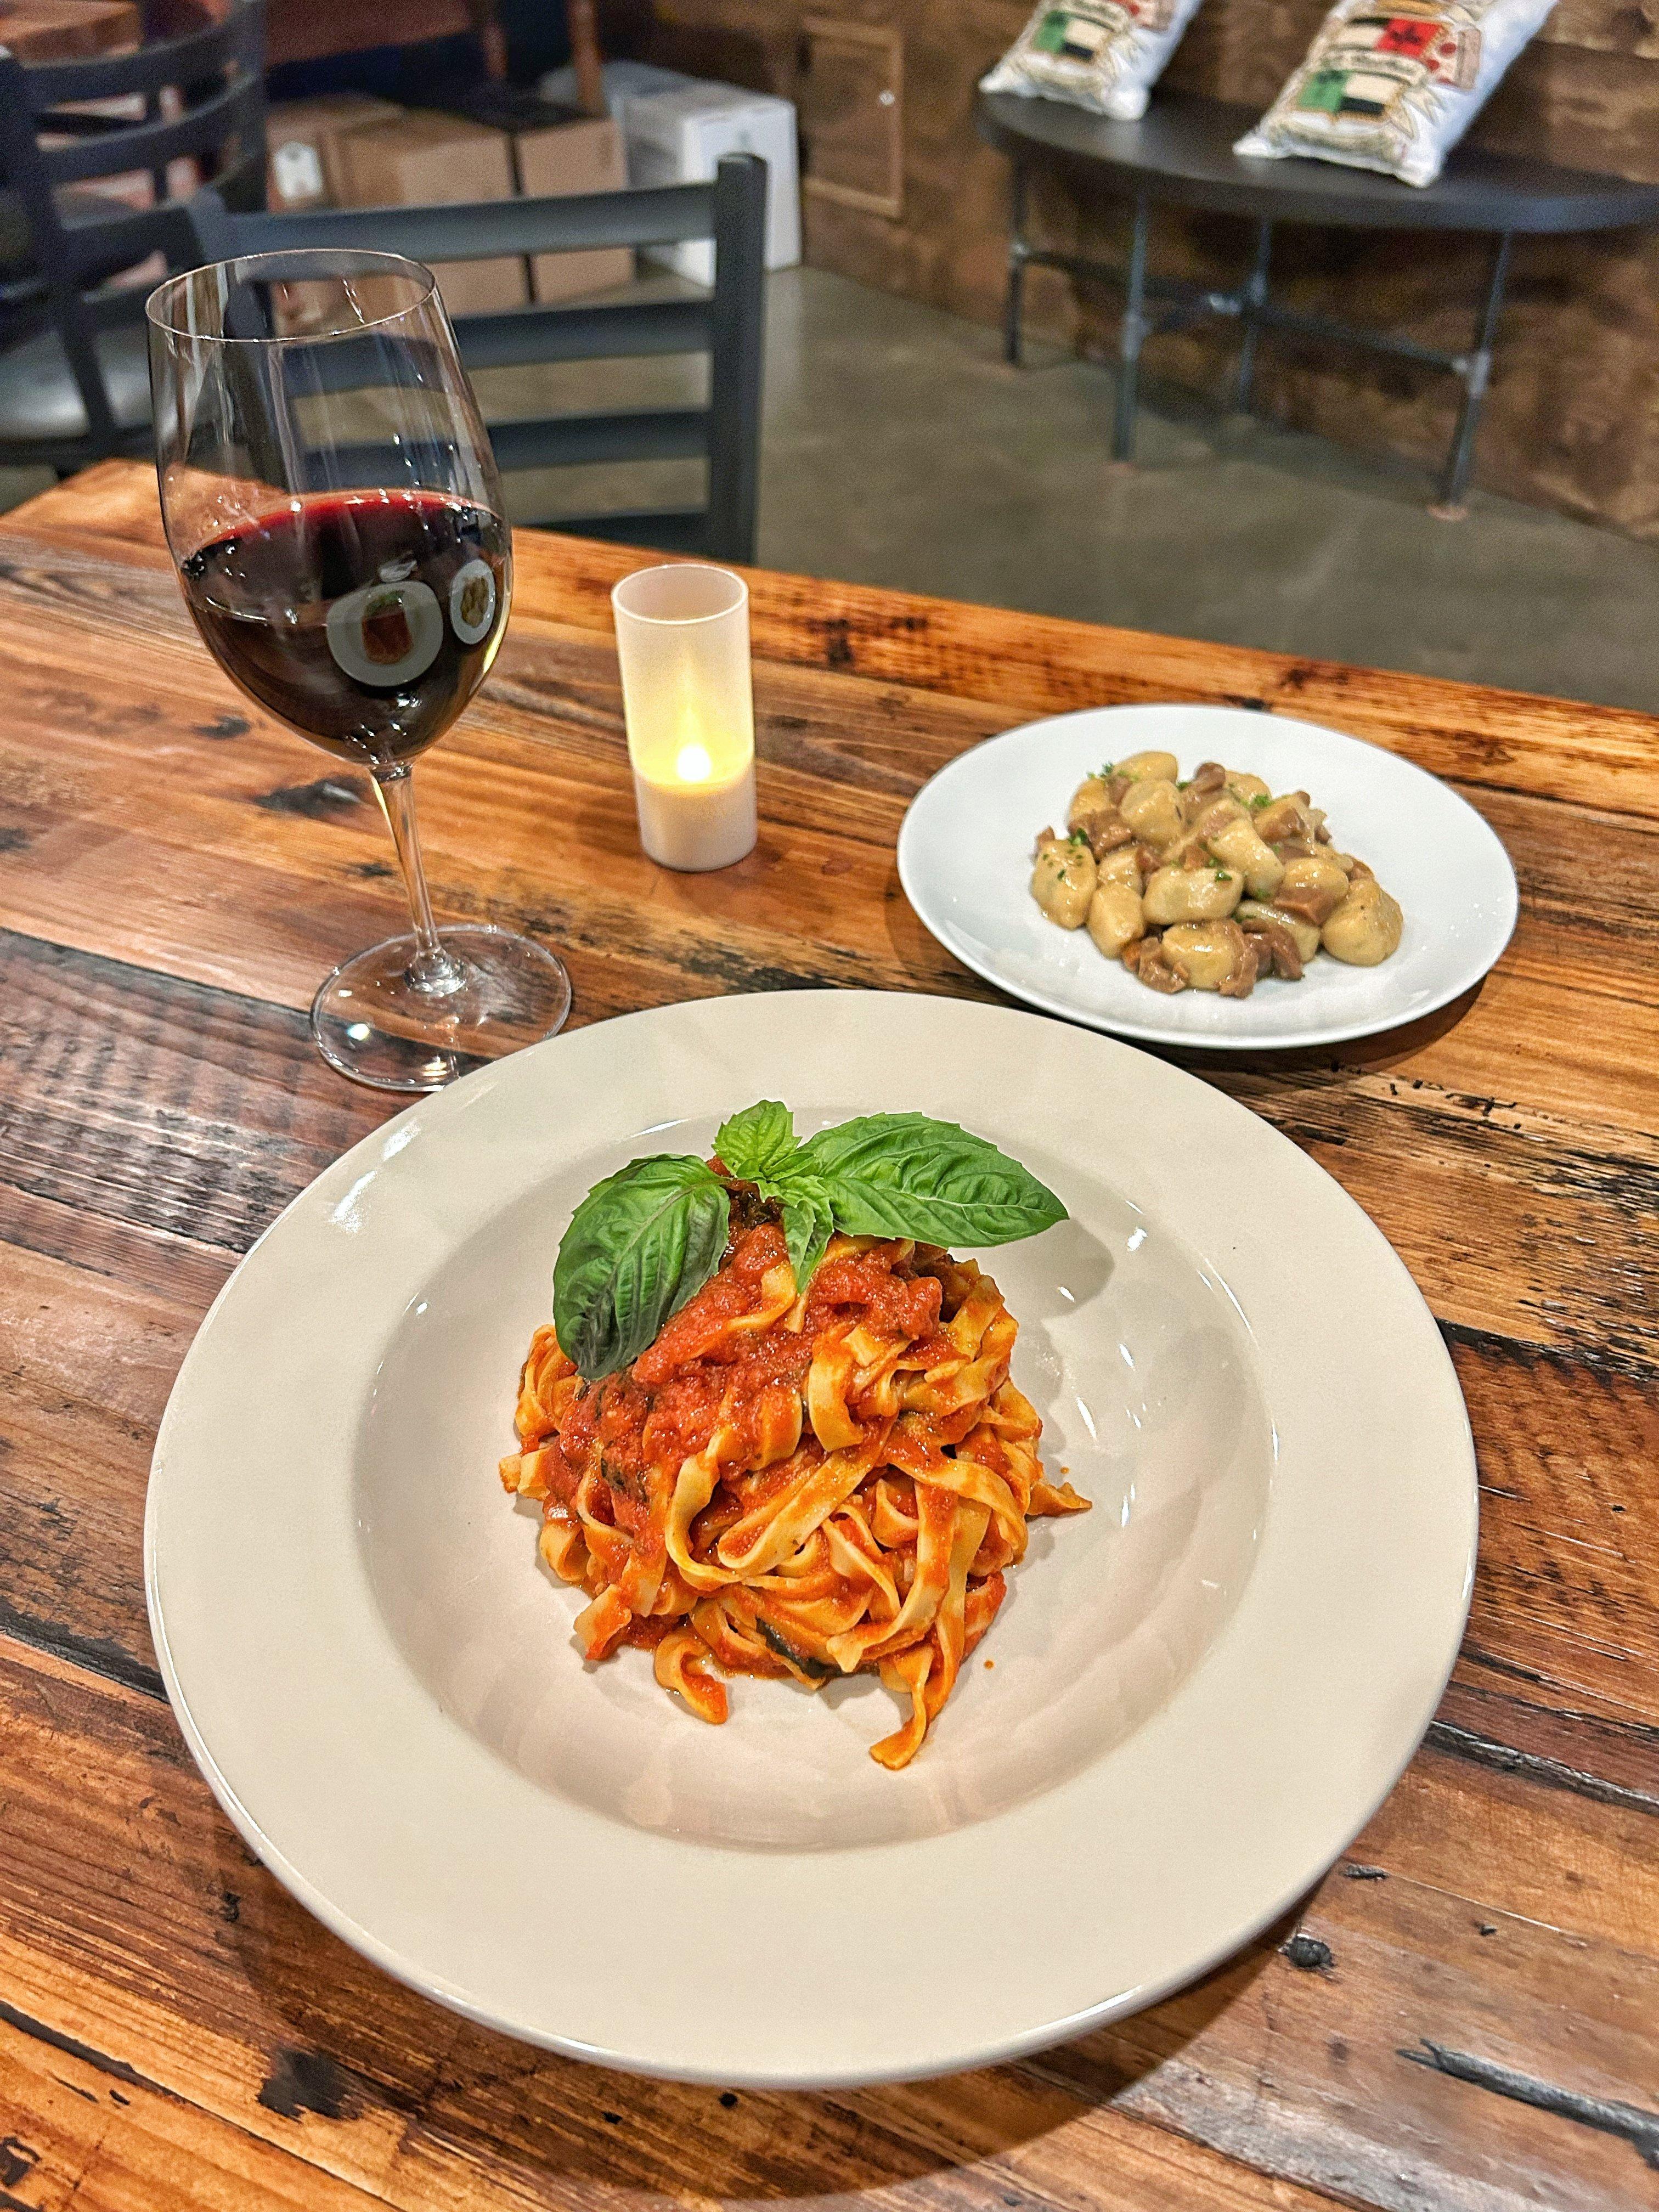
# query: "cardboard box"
x,y
678,138
556,149
421,160
302,141
586,155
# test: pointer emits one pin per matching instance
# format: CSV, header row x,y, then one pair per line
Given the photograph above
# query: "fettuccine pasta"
x,y
786,1486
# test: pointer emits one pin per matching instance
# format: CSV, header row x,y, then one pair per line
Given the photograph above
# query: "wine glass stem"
x,y
433,971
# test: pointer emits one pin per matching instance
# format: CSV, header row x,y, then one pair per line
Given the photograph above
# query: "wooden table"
x,y
1464,2014
67,30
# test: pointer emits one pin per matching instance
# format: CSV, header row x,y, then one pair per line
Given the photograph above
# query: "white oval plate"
x,y
1201,1690
964,858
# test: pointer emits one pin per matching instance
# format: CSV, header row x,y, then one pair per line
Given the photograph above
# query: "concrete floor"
x,y
899,450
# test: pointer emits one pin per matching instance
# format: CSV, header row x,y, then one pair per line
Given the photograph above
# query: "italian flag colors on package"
x,y
1394,84
1100,54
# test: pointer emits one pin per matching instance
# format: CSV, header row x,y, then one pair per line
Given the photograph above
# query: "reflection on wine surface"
x,y
364,619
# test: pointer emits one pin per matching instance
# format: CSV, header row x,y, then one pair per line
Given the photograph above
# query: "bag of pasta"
x,y
1104,55
1394,84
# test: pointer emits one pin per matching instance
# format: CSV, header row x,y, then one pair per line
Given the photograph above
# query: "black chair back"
x,y
203,98
725,324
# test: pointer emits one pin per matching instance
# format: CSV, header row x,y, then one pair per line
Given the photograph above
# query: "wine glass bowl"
x,y
334,513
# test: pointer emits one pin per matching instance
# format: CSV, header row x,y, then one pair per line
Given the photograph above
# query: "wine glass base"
x,y
373,1023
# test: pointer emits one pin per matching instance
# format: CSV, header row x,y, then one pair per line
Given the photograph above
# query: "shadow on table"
x,y
385,2081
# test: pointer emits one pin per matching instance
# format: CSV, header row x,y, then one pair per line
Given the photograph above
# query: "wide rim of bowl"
x,y
1342,1627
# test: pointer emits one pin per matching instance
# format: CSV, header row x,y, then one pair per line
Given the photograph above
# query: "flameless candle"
x,y
683,641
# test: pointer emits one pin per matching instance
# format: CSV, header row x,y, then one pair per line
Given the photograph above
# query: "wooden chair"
x,y
73,379
726,323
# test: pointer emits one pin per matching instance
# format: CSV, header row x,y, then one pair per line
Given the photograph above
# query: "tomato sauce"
x,y
642,1424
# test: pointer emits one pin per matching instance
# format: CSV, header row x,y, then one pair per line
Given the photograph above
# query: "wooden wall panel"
x,y
1572,420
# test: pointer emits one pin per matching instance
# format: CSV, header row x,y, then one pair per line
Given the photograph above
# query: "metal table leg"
x,y
1132,335
1253,297
1475,369
1017,250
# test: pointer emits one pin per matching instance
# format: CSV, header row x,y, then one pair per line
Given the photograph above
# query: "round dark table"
x,y
1180,153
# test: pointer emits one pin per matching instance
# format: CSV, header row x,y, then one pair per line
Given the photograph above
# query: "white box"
x,y
677,137
623,80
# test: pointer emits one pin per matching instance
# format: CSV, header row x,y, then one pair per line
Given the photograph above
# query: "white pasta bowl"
x,y
964,858
1199,1690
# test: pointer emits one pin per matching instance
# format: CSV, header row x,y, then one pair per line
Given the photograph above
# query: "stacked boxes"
x,y
416,159
348,150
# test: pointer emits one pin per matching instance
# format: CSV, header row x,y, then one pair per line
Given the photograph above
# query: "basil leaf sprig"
x,y
645,1241
639,1245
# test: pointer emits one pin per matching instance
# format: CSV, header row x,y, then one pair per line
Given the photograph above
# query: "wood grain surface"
x,y
1465,2013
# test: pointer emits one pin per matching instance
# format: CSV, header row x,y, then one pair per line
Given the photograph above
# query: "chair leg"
x,y
1018,189
1255,293
1477,374
1131,336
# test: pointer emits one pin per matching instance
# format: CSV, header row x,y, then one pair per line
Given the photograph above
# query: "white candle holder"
x,y
688,699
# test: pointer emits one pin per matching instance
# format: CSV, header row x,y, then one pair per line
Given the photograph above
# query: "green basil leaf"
x,y
808,1221
905,1175
758,1142
639,1245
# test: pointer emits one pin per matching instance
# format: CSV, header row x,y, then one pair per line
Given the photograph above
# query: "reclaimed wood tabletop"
x,y
1464,2014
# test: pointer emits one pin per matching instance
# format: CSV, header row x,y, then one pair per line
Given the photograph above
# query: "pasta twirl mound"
x,y
791,1484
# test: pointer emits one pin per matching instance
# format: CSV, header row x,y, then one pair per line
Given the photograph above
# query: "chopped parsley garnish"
x,y
1259,799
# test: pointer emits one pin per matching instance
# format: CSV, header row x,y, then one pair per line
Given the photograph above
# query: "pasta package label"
x,y
1395,86
1104,55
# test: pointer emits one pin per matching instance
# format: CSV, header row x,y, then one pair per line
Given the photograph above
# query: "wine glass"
x,y
334,514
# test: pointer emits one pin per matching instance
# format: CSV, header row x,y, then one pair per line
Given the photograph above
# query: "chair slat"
x,y
728,326
603,332
152,145
125,237
189,60
481,230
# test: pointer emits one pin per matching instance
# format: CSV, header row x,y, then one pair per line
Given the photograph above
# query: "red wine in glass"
x,y
335,514
367,619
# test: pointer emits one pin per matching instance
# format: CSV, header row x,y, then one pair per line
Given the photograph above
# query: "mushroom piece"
x,y
1149,767
1146,958
1115,917
1211,955
1106,830
1236,845
1287,817
1151,807
1284,954
1063,881
1365,929
1313,887
1209,779
1206,894
1089,797
1257,914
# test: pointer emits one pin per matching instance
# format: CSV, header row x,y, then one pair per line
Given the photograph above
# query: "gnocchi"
x,y
1210,883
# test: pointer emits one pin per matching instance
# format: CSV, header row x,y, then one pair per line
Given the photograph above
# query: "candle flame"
x,y
693,764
